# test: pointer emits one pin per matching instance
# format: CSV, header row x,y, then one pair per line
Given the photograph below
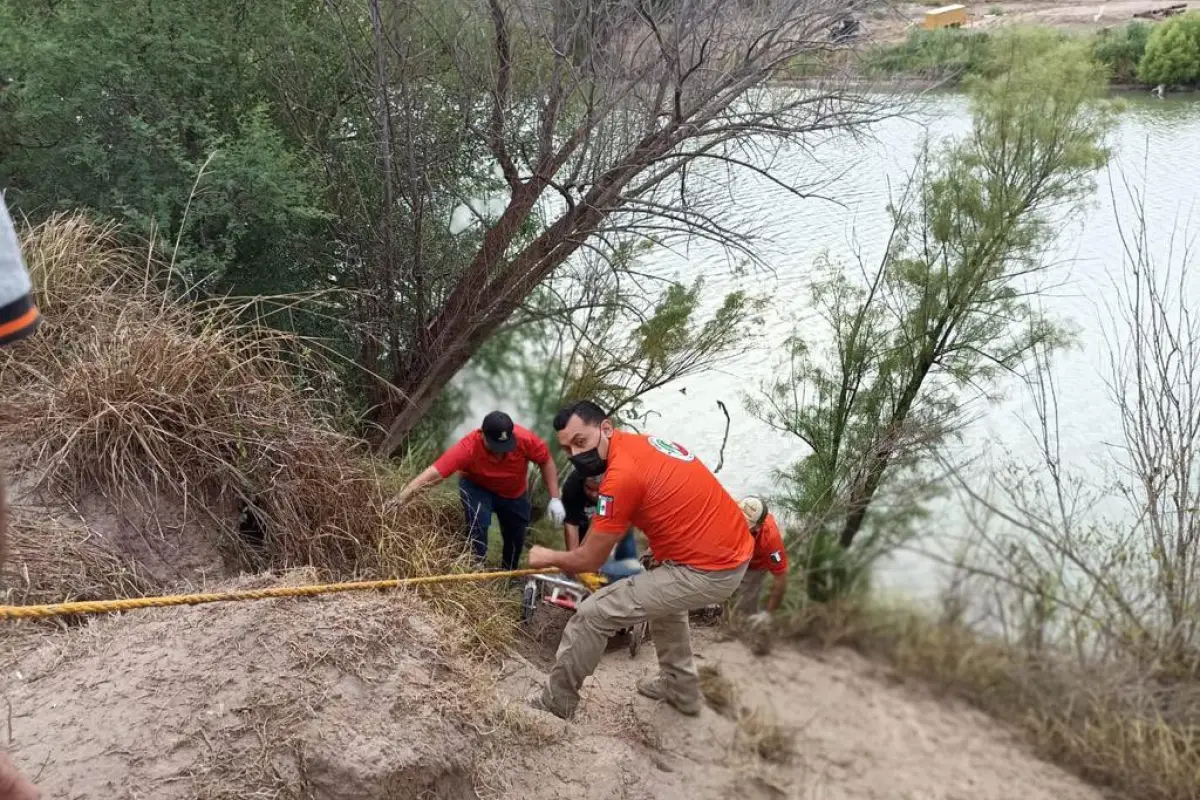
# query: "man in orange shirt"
x,y
696,532
494,461
769,557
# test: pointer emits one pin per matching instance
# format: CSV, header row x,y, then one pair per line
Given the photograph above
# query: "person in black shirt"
x,y
579,500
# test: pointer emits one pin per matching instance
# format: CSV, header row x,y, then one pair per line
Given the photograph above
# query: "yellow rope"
x,y
127,604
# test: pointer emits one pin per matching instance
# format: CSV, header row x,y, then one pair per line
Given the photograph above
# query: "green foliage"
x,y
942,54
321,146
592,335
618,366
831,572
1121,50
949,310
249,134
1173,52
116,107
953,54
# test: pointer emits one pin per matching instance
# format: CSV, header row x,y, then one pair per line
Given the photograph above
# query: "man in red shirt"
x,y
494,464
769,557
695,530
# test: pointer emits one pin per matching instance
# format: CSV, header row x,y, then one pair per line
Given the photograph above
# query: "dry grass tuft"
x,y
523,727
758,733
51,561
1115,727
135,395
718,690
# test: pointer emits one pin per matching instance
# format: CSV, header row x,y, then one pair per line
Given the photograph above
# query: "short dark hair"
x,y
590,413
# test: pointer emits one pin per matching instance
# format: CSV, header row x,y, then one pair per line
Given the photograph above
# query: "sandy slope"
x,y
338,697
361,697
858,734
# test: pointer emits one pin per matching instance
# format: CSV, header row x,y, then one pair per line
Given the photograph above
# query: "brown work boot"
x,y
541,701
656,689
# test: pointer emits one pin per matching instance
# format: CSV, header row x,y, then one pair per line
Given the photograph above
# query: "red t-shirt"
x,y
506,474
769,553
685,512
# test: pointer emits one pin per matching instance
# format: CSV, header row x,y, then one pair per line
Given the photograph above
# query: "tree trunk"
x,y
471,313
864,494
862,500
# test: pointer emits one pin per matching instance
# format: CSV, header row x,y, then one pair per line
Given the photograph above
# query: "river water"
x,y
1156,150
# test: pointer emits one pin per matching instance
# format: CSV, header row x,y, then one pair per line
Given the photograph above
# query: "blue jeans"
x,y
625,550
513,514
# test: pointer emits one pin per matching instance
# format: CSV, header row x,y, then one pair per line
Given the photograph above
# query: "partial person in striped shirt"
x,y
18,318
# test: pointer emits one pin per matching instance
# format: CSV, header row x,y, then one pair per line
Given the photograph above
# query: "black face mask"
x,y
589,464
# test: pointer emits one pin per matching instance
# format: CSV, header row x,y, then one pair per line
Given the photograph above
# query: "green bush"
x,y
832,572
1173,53
946,53
1121,50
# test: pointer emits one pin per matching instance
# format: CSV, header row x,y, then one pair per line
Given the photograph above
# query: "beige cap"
x,y
754,510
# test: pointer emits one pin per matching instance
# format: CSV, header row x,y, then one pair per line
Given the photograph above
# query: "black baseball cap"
x,y
498,434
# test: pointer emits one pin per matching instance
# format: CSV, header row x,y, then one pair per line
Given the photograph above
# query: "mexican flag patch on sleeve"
x,y
604,505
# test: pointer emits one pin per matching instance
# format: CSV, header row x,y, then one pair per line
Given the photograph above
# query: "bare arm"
x,y
550,476
778,589
427,478
588,557
571,536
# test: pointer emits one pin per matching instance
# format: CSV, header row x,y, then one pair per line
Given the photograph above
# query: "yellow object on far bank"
x,y
953,16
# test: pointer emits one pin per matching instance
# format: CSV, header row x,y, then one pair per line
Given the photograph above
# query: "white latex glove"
x,y
556,511
760,619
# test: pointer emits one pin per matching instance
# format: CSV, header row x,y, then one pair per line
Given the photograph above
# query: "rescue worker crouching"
x,y
770,557
494,463
698,536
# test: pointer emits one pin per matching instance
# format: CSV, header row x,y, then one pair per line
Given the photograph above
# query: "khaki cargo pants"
x,y
663,595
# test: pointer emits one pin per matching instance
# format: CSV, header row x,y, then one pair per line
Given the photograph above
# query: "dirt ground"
x,y
855,733
893,23
341,697
367,697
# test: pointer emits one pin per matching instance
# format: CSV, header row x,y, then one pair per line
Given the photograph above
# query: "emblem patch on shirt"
x,y
604,505
672,449
776,557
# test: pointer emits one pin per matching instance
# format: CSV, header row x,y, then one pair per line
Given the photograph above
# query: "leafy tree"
x,y
337,146
1173,52
590,144
950,309
1121,50
163,116
238,134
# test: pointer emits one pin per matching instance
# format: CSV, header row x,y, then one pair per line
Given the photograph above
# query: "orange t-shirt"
x,y
663,489
769,553
507,474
